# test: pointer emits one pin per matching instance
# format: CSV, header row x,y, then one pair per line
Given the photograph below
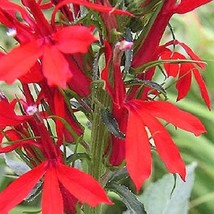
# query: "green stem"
x,y
99,137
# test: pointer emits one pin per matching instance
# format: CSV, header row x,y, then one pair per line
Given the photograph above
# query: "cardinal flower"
x,y
139,120
185,71
45,158
54,174
143,121
48,45
52,48
148,50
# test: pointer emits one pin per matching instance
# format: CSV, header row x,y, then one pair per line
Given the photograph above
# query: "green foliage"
x,y
168,195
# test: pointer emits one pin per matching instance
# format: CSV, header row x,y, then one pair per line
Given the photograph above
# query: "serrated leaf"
x,y
129,199
159,198
111,124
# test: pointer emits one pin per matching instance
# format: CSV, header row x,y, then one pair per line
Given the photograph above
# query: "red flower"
x,y
185,71
143,122
46,44
79,184
55,67
149,47
49,44
138,119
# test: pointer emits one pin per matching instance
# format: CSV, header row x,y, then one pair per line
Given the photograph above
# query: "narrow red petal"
x,y
203,89
19,61
97,7
105,72
188,5
192,55
59,106
55,67
184,81
171,69
165,146
167,112
83,186
20,188
80,82
52,201
74,39
117,150
138,154
10,6
8,116
41,22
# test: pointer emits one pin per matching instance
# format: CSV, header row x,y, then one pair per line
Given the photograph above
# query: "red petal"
x,y
34,75
203,89
20,188
59,106
192,55
41,22
55,67
52,201
80,82
164,145
19,61
98,7
172,69
10,6
8,116
138,154
117,149
105,72
82,186
184,82
188,5
74,39
174,115
188,50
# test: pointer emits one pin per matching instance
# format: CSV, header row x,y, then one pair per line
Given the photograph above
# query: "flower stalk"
x,y
99,136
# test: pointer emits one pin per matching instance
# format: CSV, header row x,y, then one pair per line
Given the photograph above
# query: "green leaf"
x,y
129,199
13,162
148,83
158,198
119,174
35,192
77,156
111,124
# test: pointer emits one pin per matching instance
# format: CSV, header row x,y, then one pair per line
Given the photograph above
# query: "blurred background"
x,y
197,30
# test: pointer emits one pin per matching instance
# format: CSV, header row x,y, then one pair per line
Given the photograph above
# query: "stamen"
x,y
31,110
124,45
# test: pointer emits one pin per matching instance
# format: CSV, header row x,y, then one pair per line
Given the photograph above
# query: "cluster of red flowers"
x,y
58,57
